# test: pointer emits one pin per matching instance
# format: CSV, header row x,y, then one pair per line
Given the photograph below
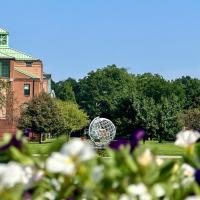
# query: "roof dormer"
x,y
4,36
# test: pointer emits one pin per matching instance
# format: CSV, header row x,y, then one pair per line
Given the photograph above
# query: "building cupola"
x,y
4,38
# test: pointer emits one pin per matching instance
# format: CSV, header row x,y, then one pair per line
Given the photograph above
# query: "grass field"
x,y
43,148
165,148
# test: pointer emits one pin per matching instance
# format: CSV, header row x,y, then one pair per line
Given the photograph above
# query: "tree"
x,y
99,92
156,87
74,118
7,100
135,111
190,119
167,119
191,88
65,90
131,101
3,88
42,115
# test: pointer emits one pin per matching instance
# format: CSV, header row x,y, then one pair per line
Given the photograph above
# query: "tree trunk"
x,y
40,138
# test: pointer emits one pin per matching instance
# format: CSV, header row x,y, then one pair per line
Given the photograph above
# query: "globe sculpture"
x,y
102,131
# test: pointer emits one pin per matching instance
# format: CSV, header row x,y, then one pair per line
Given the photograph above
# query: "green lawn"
x,y
37,148
165,148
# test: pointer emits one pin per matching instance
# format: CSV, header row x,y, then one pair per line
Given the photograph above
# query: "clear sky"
x,y
73,37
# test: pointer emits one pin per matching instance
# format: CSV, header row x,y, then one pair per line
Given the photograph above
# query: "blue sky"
x,y
73,37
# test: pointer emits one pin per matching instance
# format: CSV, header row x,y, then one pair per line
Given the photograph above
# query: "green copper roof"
x,y
4,56
26,73
3,31
9,53
14,54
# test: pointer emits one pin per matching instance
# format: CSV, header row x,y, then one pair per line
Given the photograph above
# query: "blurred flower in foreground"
x,y
13,173
15,141
159,161
193,198
71,154
136,191
124,197
159,191
188,170
136,136
139,191
186,138
146,158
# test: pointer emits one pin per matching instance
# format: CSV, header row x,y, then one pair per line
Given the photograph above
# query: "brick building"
x,y
25,76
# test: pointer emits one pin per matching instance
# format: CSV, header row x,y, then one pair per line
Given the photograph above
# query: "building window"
x,y
29,64
4,69
26,89
3,40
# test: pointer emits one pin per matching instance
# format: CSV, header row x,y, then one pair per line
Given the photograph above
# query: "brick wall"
x,y
18,80
7,127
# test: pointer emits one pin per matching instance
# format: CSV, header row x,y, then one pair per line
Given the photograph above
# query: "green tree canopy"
x,y
156,87
74,118
42,115
66,90
100,91
191,88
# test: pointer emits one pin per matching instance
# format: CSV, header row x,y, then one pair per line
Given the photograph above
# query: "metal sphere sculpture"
x,y
102,131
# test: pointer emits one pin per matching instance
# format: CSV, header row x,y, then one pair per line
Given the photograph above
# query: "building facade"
x,y
25,76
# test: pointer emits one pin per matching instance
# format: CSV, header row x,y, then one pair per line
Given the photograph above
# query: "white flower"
x,y
145,196
78,148
159,161
11,174
125,197
71,154
146,158
187,181
188,170
97,173
56,184
159,190
186,138
59,163
193,198
137,189
50,195
176,186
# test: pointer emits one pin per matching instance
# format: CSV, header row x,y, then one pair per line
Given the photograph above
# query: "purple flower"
x,y
197,176
27,196
136,136
13,142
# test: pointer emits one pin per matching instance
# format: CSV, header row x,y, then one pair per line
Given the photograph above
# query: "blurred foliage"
x,y
121,174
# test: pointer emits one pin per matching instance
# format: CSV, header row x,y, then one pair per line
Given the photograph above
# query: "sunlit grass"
x,y
165,148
